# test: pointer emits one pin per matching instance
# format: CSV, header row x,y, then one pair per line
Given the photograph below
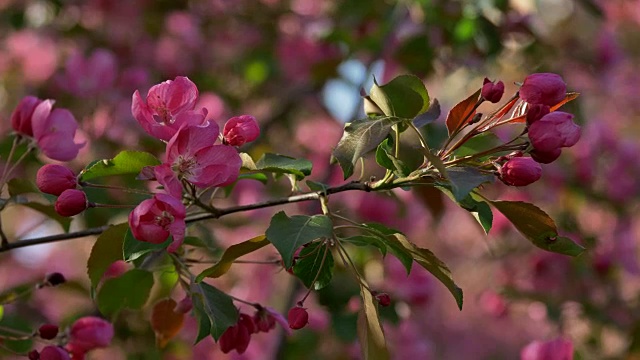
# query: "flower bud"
x,y
238,336
71,202
298,318
543,88
535,112
383,299
48,331
240,130
54,179
264,321
89,333
492,92
553,131
33,355
54,353
520,171
55,279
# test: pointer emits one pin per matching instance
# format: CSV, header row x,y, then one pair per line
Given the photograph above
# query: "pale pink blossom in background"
x,y
34,54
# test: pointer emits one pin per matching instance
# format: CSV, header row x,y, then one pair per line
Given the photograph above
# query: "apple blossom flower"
x,y
164,175
71,202
53,131
153,220
194,158
240,130
54,179
558,349
543,88
169,106
553,131
89,333
491,91
520,171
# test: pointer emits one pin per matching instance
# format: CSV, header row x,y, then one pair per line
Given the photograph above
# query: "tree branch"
x,y
355,185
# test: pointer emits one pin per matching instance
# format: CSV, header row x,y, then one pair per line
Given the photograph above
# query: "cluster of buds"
x,y
61,181
238,336
86,334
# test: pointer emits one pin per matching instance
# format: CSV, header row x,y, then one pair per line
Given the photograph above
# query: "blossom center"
x,y
183,166
164,220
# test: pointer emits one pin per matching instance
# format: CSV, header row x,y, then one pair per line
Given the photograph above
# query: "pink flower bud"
x,y
54,179
21,116
264,321
545,157
116,269
298,318
89,333
492,92
48,331
543,88
53,353
520,171
240,130
71,202
383,299
553,131
237,337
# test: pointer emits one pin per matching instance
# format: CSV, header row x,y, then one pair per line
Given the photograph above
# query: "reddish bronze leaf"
x,y
165,322
462,113
570,96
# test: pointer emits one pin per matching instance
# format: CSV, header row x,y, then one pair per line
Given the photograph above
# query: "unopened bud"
x,y
54,353
48,331
54,179
240,130
71,202
33,355
492,92
55,279
383,299
520,171
298,317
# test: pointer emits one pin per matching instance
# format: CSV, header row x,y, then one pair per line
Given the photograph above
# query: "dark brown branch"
x,y
220,213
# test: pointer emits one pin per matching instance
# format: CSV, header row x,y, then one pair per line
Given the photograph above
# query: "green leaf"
x,y
405,97
132,248
50,211
360,137
1,312
106,250
281,164
480,210
464,179
370,333
399,245
479,143
231,254
385,159
21,186
214,311
400,252
367,240
129,290
125,163
317,186
462,112
287,234
310,265
537,227
254,176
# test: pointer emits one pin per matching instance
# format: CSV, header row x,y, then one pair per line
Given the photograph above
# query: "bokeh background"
x,y
298,67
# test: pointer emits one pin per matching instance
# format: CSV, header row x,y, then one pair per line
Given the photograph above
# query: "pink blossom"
x,y
53,131
491,91
520,171
87,77
153,220
558,349
167,178
193,157
169,105
89,333
35,54
240,130
54,179
553,131
543,88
